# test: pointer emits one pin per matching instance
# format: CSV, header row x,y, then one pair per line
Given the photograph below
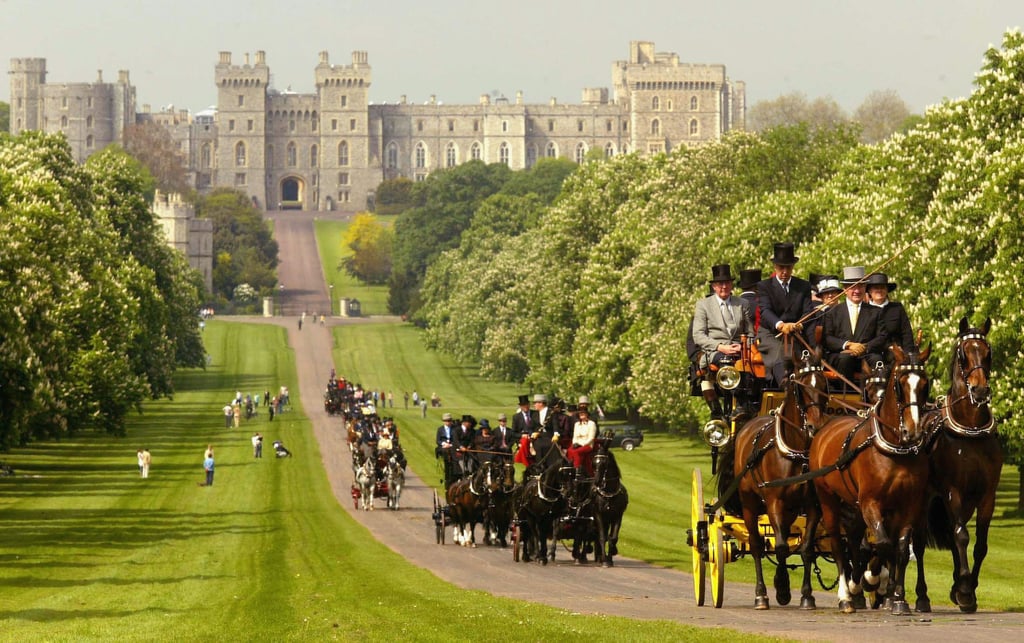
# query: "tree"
x,y
882,114
544,179
152,144
793,109
394,196
243,248
370,243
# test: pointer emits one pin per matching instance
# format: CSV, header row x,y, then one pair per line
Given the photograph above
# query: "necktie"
x,y
854,314
503,445
727,313
785,286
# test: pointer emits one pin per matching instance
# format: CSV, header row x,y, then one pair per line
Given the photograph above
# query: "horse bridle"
x,y
961,359
901,406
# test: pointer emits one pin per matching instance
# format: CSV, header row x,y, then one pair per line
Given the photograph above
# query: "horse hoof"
x,y
760,602
923,605
807,603
544,561
859,601
900,608
783,598
969,609
846,607
473,545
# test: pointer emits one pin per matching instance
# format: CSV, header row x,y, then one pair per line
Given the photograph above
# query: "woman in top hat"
x,y
783,301
895,322
828,291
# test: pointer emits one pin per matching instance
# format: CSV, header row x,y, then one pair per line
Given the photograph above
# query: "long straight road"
x,y
632,588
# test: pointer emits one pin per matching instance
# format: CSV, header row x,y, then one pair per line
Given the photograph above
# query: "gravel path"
x,y
631,589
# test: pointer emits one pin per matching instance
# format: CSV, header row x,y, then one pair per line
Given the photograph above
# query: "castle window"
x,y
392,156
88,102
64,102
531,155
344,101
609,150
625,126
655,127
419,126
291,125
608,125
290,151
343,196
693,103
551,151
551,125
504,126
270,155
475,151
240,179
63,122
231,125
529,126
625,148
88,121
655,103
250,125
503,153
342,178
420,177
352,125
421,156
579,125
314,124
334,125
476,126
343,153
581,152
240,154
450,155
314,155
451,126
693,127
241,100
89,141
668,103
205,157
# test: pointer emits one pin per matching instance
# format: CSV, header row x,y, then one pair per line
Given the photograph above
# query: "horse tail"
x,y
725,478
940,525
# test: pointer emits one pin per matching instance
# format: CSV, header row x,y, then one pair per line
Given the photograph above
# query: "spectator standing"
x,y
208,467
391,399
257,445
139,454
406,396
147,460
423,408
229,415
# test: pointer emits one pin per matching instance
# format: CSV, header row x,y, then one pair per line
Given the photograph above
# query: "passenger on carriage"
x,y
445,449
521,424
895,323
584,433
826,292
483,443
783,301
718,322
368,441
463,441
504,437
853,332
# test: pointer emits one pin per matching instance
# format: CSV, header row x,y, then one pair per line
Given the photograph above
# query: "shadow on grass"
x,y
49,615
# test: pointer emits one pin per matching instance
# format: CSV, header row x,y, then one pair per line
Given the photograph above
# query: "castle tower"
x,y
185,233
241,124
28,75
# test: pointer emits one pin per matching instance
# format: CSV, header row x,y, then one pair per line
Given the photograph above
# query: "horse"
x,y
609,499
396,479
770,448
965,464
876,463
366,480
539,501
467,499
498,512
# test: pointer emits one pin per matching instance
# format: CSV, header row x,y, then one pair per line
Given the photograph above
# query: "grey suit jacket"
x,y
711,328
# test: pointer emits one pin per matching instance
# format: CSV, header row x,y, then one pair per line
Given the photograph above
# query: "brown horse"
x,y
965,464
772,448
876,465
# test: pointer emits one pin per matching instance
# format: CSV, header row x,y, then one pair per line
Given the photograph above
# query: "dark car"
x,y
626,436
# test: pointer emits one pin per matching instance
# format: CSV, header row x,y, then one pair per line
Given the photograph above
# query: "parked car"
x,y
626,436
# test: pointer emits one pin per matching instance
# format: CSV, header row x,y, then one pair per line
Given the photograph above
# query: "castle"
x,y
329,150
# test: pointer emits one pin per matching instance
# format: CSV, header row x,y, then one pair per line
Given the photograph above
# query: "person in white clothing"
x,y
583,435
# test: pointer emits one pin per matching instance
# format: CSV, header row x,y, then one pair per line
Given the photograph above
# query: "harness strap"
x,y
843,461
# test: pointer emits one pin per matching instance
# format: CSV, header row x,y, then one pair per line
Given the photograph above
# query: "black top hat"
x,y
470,419
720,273
784,255
749,278
524,399
880,279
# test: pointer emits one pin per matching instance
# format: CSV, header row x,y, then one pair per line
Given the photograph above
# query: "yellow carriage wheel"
x,y
697,516
717,557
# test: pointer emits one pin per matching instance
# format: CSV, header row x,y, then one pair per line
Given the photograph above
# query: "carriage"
x,y
883,479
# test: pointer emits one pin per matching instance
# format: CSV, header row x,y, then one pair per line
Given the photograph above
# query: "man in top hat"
x,y
718,321
852,331
783,301
521,422
895,323
464,434
445,440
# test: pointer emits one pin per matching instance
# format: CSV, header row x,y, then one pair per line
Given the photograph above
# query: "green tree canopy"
x,y
243,248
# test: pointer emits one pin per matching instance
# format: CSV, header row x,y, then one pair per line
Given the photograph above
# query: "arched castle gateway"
x,y
330,149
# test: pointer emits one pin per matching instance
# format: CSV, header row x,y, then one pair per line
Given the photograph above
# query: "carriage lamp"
x,y
716,433
728,377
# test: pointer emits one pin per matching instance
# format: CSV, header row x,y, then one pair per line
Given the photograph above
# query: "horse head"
x,y
508,476
906,394
973,363
875,381
807,392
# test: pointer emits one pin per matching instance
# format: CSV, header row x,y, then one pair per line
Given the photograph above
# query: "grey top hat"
x,y
784,254
852,274
540,397
880,279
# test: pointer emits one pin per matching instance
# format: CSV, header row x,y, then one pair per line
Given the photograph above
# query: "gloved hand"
x,y
535,435
789,327
554,437
856,349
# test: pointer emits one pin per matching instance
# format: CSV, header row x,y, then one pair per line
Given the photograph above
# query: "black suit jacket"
x,y
895,325
776,305
868,331
519,424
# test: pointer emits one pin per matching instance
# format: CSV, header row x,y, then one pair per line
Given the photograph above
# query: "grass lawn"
x,y
658,474
373,299
92,552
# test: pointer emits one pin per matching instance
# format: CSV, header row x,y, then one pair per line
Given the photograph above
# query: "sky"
x,y
925,50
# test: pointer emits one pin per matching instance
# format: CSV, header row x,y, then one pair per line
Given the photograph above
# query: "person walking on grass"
x,y
139,454
147,459
208,466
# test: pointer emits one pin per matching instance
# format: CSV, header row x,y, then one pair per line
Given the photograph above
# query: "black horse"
x,y
538,502
609,499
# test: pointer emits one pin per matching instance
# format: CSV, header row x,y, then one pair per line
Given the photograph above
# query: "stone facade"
x,y
185,233
329,150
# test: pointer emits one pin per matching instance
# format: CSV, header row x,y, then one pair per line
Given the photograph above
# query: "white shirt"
x,y
584,433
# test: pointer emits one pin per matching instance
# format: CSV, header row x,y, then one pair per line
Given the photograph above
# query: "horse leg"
x,y
923,603
808,554
961,593
757,553
898,580
781,525
831,517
